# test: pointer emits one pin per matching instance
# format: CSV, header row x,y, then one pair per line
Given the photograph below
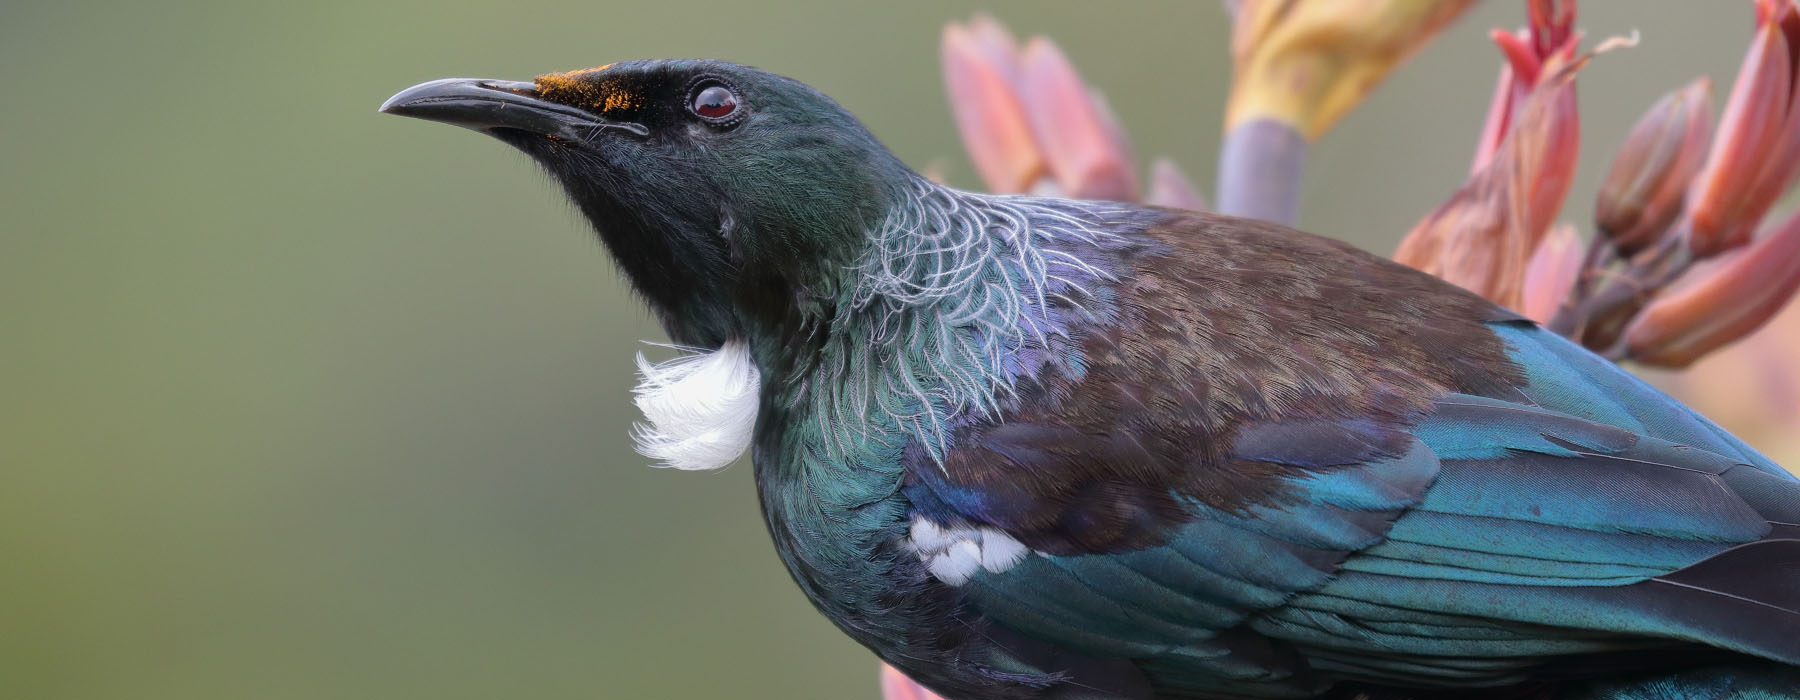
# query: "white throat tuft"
x,y
700,408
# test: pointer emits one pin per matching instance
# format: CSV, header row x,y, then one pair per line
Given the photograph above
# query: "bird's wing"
x,y
1537,509
1598,505
1503,536
1546,535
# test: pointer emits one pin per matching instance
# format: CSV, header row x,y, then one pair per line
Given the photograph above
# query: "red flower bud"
x,y
896,686
1719,301
1075,130
1026,114
980,64
1471,240
1551,33
1551,273
1484,237
1170,187
1757,150
1642,194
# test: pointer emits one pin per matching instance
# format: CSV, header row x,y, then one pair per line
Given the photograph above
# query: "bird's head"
x,y
728,194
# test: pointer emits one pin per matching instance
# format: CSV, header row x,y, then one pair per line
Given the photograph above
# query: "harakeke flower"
x,y
1484,236
1299,67
1656,295
896,686
1551,273
1643,192
980,62
1755,156
1550,35
1027,118
1307,64
1076,131
1719,302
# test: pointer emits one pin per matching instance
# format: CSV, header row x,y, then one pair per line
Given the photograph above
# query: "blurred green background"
x,y
299,401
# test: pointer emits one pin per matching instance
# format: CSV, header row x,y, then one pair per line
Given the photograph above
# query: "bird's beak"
x,y
486,105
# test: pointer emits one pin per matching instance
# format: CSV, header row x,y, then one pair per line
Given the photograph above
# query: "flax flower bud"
x,y
1170,187
1483,237
1720,302
1551,273
1550,34
1028,121
1642,194
1471,240
980,62
1075,130
1757,150
896,686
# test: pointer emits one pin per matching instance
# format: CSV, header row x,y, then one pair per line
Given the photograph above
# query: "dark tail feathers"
x,y
1744,680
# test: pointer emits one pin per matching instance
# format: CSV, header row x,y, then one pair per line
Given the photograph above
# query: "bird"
x,y
1034,447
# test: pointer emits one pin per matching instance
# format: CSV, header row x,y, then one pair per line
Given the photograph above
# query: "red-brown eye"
x,y
714,102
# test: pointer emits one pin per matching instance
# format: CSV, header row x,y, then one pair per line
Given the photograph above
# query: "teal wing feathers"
x,y
1583,516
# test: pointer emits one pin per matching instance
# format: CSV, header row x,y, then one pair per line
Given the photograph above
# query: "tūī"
x,y
1030,447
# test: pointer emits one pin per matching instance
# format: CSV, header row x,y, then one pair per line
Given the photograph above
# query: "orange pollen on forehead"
x,y
579,88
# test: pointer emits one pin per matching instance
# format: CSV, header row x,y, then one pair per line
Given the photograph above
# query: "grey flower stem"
x,y
1260,167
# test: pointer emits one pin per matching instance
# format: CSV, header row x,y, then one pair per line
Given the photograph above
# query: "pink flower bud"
x,y
1170,187
1075,131
1720,301
980,63
1757,150
1472,241
1551,273
1551,33
1642,194
896,686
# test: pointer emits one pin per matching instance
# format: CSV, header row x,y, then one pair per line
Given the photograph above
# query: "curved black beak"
x,y
485,105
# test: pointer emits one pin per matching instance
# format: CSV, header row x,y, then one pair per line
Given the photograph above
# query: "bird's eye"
x,y
714,102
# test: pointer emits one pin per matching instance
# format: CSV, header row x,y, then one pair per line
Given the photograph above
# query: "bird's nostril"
x,y
517,87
